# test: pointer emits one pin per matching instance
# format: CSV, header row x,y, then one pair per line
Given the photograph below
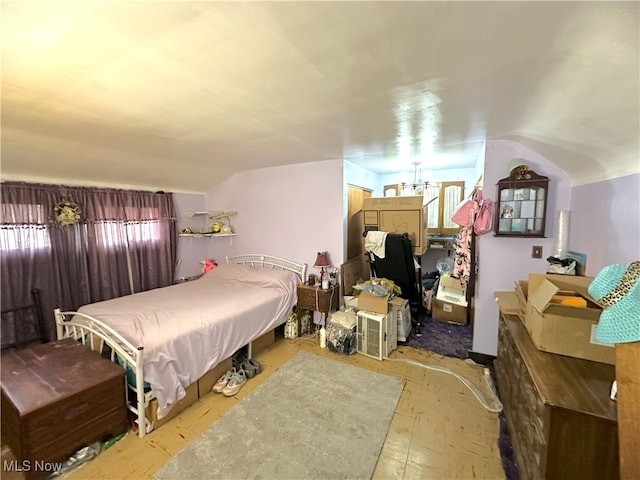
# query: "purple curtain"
x,y
124,242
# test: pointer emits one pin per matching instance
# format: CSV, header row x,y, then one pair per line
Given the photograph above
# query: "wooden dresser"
x,y
561,421
57,398
314,298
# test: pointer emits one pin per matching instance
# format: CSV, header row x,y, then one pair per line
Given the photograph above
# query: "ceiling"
x,y
180,95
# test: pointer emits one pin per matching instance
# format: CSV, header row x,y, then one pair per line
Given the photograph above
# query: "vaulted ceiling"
x,y
180,95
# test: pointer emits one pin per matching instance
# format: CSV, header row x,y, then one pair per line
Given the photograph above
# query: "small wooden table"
x,y
315,298
59,397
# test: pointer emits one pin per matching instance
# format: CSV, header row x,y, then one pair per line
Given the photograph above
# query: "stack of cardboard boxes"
x,y
398,215
561,317
392,313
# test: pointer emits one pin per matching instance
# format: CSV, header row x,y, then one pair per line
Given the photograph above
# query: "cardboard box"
x,y
450,290
188,400
448,312
263,341
522,292
401,311
373,303
564,329
354,271
398,215
209,379
507,302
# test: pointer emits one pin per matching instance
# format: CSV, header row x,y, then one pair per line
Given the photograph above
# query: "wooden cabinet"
x,y
561,421
315,298
441,200
628,380
521,204
57,398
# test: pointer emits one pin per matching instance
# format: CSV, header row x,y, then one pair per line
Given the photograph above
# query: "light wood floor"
x,y
439,429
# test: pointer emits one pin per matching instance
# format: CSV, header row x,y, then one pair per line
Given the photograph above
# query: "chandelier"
x,y
417,184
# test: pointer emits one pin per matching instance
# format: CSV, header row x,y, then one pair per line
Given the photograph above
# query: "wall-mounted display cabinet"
x,y
521,204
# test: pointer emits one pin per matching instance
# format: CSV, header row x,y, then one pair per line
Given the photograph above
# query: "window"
x,y
16,235
24,237
125,241
441,200
116,233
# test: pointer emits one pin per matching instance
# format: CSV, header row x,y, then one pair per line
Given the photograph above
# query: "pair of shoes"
x,y
236,382
251,367
238,359
224,380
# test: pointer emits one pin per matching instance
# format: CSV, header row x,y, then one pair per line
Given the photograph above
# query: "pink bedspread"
x,y
187,329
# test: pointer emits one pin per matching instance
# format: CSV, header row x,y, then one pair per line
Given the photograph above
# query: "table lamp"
x,y
322,261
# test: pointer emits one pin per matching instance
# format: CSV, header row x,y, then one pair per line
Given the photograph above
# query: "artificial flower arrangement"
x,y
208,265
67,212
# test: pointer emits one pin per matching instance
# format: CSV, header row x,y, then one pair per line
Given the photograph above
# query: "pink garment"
x,y
426,299
462,263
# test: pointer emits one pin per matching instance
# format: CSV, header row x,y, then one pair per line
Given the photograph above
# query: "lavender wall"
x,y
291,211
503,260
295,211
605,222
191,251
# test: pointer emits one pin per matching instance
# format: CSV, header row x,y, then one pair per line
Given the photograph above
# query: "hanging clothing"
x,y
375,242
465,263
464,255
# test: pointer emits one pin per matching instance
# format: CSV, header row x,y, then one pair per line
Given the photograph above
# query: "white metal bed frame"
x,y
95,334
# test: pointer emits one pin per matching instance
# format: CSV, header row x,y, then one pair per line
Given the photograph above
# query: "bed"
x,y
170,337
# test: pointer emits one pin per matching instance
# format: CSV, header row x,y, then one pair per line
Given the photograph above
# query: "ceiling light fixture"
x,y
417,184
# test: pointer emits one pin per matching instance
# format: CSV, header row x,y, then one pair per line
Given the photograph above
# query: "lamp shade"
x,y
322,260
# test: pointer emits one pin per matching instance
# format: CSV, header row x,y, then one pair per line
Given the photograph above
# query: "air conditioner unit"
x,y
376,334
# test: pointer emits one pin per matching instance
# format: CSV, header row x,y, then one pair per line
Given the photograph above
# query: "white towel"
x,y
375,243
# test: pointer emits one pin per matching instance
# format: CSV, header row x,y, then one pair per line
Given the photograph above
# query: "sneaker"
x,y
237,359
249,370
235,384
251,367
256,365
224,380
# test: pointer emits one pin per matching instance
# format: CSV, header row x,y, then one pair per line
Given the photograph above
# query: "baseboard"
x,y
481,358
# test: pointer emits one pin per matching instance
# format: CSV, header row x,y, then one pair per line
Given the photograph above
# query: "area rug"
x,y
314,418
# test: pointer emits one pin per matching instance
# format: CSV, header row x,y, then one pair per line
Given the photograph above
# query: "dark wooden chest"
x,y
561,421
57,398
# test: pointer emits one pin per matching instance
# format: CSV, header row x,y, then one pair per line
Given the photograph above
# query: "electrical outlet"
x,y
536,251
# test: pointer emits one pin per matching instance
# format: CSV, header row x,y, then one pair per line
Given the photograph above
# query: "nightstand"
x,y
315,298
